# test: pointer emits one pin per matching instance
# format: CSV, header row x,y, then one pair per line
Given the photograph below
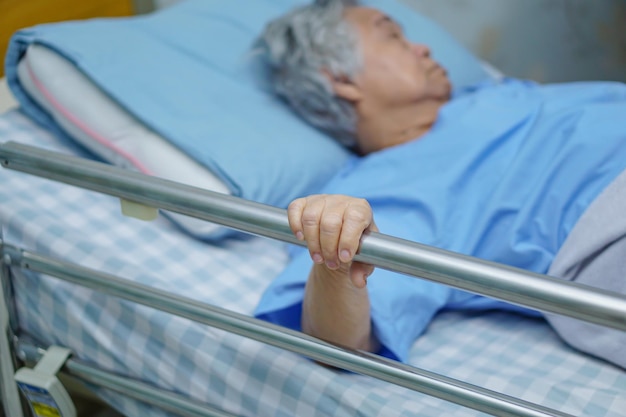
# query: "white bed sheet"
x,y
505,352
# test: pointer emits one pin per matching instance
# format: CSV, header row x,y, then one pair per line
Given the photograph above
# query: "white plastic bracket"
x,y
138,210
44,392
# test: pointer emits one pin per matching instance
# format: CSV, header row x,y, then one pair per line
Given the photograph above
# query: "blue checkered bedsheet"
x,y
512,354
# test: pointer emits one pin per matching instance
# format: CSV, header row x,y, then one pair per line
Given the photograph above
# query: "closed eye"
x,y
394,29
390,28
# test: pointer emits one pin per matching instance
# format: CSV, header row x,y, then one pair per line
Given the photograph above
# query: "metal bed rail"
x,y
478,276
429,383
482,277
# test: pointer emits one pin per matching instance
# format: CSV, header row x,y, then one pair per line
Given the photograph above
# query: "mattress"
x,y
505,352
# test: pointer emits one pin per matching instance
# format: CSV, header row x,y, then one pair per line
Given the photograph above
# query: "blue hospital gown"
x,y
504,175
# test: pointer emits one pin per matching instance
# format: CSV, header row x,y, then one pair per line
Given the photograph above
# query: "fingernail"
x,y
299,235
317,258
331,265
344,255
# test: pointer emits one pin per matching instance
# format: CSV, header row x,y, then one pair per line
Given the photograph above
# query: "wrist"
x,y
337,279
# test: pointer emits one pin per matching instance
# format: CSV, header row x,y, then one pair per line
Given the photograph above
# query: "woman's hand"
x,y
332,226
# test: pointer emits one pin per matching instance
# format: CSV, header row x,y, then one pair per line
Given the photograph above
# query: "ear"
x,y
344,87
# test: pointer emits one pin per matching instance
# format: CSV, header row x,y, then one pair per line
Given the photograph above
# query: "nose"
x,y
421,50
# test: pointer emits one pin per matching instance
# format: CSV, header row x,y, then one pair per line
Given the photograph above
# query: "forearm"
x,y
335,310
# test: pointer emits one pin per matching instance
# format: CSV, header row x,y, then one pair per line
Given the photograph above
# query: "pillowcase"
x,y
177,94
102,126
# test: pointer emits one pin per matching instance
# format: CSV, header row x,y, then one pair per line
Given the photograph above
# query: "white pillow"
x,y
107,129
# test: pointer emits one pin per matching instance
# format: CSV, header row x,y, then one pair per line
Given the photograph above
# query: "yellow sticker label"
x,y
44,410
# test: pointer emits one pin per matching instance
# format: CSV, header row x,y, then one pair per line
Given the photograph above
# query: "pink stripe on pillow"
x,y
82,126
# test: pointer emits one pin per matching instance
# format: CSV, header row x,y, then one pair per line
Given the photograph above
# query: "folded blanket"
x,y
595,254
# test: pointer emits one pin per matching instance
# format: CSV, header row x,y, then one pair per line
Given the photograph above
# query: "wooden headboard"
x,y
17,14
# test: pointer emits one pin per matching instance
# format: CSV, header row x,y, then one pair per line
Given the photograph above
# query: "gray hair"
x,y
302,44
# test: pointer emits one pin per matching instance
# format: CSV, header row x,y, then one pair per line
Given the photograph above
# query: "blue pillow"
x,y
175,70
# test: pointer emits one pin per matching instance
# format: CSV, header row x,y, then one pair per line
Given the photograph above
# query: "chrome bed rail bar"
x,y
364,363
490,279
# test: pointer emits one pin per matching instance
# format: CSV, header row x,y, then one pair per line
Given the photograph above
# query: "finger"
x,y
311,215
359,272
294,215
331,224
357,219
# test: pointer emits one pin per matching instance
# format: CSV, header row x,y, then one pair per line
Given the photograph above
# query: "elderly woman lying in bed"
x,y
502,171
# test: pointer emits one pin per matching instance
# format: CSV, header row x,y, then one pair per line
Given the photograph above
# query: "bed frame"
x,y
142,194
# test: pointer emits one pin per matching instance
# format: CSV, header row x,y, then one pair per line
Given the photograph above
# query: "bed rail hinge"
x,y
43,391
9,255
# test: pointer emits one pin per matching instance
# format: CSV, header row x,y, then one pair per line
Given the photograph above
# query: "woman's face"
x,y
395,72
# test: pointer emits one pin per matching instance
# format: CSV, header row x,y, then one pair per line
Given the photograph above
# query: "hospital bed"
x,y
157,314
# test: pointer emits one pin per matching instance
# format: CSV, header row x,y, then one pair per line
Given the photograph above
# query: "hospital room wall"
x,y
544,40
